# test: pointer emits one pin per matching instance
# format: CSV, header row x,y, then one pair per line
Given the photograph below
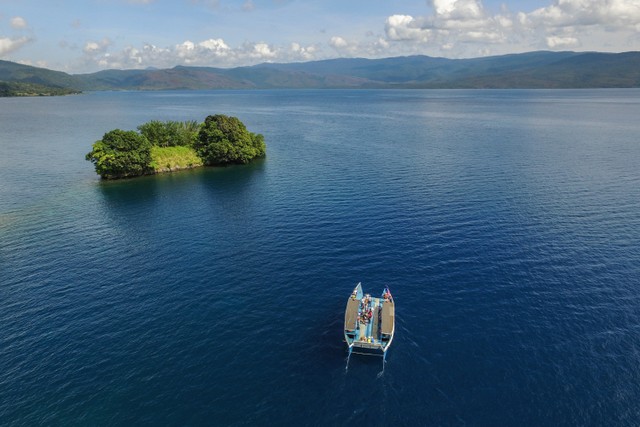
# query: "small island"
x,y
159,147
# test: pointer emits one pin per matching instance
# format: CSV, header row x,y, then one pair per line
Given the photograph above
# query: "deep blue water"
x,y
506,223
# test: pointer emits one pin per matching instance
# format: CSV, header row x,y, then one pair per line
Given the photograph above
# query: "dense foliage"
x,y
165,146
170,133
223,139
120,154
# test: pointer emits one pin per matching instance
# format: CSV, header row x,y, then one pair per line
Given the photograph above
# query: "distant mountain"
x,y
175,78
181,77
21,80
527,70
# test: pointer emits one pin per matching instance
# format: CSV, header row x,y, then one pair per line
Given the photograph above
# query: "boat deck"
x,y
351,315
368,335
388,318
364,334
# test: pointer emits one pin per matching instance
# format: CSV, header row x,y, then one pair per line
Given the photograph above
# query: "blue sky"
x,y
89,35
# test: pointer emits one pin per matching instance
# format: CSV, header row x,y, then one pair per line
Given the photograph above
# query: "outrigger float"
x,y
369,323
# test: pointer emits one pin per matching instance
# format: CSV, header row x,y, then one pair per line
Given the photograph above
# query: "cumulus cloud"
x,y
261,51
189,52
99,47
453,22
561,42
465,27
214,52
374,47
338,42
302,53
458,9
609,13
405,27
598,24
18,23
8,45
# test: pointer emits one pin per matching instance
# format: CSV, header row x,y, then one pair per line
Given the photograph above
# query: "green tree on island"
x,y
223,139
120,154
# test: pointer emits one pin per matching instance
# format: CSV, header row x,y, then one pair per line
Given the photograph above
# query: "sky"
x,y
80,36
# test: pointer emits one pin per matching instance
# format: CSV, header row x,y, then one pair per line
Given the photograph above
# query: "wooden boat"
x,y
369,322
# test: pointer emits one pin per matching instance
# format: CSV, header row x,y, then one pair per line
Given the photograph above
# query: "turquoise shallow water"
x,y
506,223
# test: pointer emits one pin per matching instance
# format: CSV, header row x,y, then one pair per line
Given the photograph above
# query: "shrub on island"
x,y
223,139
121,154
168,146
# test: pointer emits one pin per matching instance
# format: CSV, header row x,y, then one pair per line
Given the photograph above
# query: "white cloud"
x,y
609,13
195,53
464,28
18,23
214,52
452,24
405,27
376,47
8,45
262,51
302,53
216,45
93,47
561,42
338,42
458,9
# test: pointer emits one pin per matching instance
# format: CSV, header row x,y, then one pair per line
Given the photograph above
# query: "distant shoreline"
x,y
530,70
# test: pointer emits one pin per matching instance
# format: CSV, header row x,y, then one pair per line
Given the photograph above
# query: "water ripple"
x,y
505,223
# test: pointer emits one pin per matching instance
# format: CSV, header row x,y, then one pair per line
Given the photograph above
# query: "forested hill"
x,y
527,70
23,80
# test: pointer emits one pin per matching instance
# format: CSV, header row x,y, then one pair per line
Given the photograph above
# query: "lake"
x,y
505,222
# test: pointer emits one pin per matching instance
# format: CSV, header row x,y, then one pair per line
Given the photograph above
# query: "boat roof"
x,y
388,317
351,314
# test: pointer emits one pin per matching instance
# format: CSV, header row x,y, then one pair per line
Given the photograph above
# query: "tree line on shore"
x,y
220,140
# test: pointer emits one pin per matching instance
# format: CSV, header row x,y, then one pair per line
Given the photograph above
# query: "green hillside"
x,y
23,80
